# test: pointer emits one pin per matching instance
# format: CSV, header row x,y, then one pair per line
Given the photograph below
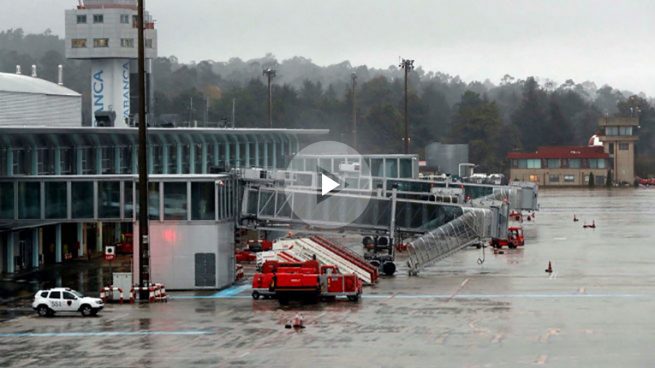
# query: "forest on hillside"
x,y
493,118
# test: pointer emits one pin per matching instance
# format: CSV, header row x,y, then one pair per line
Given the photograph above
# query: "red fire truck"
x,y
306,281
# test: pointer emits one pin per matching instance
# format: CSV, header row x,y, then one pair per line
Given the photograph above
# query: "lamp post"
x,y
353,76
144,246
270,74
408,65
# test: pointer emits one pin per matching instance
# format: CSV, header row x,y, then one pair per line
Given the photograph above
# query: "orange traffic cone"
x,y
550,268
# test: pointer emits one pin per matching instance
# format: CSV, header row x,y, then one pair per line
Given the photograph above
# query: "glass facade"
x,y
109,199
29,200
82,199
6,200
175,201
202,201
56,200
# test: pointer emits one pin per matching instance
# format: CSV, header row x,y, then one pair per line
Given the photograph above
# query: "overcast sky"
x,y
609,42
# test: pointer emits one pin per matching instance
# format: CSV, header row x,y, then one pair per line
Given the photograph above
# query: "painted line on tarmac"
x,y
450,296
103,333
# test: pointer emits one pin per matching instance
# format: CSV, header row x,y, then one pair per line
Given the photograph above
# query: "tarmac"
x,y
594,310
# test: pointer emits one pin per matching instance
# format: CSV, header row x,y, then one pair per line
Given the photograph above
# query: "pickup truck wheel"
x,y
255,295
94,312
44,311
86,310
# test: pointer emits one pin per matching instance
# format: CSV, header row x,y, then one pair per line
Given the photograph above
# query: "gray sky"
x,y
604,41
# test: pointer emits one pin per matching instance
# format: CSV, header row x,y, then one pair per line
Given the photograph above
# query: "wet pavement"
x,y
594,310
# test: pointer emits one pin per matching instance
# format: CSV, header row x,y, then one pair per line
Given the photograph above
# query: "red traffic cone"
x,y
550,268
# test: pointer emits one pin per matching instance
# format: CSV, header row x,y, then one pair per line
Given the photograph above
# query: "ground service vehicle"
x,y
306,281
514,239
126,245
48,302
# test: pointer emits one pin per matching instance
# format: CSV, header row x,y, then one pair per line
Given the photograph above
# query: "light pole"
x,y
270,74
408,65
144,245
353,76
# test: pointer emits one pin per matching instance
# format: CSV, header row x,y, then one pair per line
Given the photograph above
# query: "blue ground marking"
x,y
103,333
232,291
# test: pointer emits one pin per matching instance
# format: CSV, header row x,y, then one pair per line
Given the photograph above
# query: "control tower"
x,y
105,32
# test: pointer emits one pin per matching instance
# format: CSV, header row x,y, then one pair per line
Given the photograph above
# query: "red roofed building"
x,y
560,165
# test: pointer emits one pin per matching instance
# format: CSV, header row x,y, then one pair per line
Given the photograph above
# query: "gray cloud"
x,y
604,41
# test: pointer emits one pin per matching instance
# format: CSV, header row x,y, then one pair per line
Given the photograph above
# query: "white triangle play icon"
x,y
327,184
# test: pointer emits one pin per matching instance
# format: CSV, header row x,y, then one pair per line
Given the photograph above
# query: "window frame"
x,y
98,18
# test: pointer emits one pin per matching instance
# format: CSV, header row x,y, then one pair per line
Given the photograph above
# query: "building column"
x,y
151,165
178,164
117,231
58,243
99,238
257,161
227,156
135,160
246,162
10,162
11,245
266,165
237,154
216,151
98,159
35,161
80,239
35,247
165,153
274,163
203,169
192,158
117,160
57,160
78,160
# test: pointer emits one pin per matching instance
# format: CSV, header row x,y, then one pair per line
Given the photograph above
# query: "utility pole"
x,y
407,65
144,241
353,76
270,74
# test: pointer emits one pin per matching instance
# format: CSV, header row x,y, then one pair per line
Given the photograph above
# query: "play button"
x,y
335,191
327,184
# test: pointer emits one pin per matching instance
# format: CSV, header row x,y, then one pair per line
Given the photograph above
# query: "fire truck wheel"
x,y
255,295
353,298
512,246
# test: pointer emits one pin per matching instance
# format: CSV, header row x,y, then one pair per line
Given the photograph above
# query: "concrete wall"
x,y
39,109
543,176
174,246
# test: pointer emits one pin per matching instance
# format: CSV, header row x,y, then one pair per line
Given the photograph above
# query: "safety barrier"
x,y
156,293
109,290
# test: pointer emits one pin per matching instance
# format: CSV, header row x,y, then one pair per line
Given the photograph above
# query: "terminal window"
x,y
569,178
127,42
553,178
624,146
100,42
125,18
98,18
148,43
78,43
81,19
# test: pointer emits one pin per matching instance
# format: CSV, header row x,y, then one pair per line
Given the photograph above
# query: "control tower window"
x,y
125,19
127,42
78,43
100,42
148,43
81,19
98,18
